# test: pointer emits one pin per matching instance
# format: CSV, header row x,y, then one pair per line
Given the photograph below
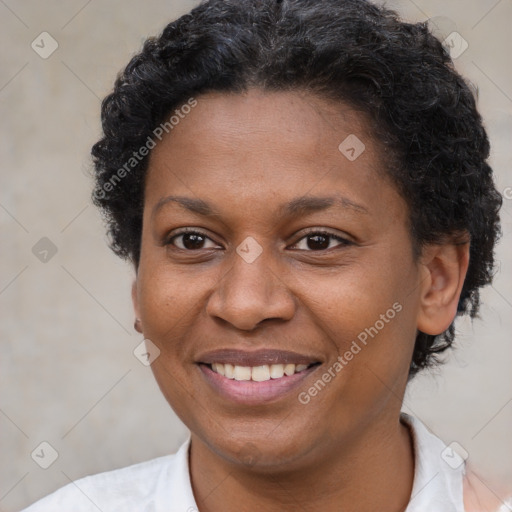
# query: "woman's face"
x,y
299,245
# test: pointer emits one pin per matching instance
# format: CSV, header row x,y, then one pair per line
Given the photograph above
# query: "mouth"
x,y
255,377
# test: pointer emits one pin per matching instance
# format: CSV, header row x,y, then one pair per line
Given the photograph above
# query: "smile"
x,y
241,384
257,376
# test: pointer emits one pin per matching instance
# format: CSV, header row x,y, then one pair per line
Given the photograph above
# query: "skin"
x,y
246,155
480,497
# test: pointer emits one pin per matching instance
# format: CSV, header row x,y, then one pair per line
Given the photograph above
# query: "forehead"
x,y
290,122
263,146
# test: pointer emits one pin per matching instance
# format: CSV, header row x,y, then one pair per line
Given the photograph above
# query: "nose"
x,y
249,293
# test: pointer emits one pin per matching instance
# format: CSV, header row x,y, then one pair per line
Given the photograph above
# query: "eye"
x,y
319,241
190,240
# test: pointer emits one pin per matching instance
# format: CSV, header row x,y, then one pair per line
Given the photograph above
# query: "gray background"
x,y
68,374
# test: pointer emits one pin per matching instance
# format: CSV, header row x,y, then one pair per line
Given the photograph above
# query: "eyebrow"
x,y
298,206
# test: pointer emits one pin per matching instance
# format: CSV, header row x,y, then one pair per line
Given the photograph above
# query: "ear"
x,y
135,301
443,270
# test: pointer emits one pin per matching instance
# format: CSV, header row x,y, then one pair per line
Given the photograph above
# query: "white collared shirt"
x,y
163,484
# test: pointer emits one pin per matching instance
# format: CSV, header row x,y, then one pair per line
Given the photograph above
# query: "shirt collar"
x,y
438,471
437,481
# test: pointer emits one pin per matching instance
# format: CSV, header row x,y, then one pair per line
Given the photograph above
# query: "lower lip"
x,y
252,392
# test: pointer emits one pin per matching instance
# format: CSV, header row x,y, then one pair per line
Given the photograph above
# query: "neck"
x,y
372,471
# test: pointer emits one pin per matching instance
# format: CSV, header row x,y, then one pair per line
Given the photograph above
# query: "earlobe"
x,y
444,269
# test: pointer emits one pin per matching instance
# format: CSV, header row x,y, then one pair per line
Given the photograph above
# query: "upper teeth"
x,y
257,373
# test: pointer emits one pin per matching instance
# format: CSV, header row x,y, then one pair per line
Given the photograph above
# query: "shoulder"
x,y
480,496
443,481
127,488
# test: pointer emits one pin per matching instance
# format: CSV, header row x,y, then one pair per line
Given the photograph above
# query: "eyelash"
x,y
327,234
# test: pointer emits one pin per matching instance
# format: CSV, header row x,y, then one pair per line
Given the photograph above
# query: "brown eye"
x,y
319,241
191,241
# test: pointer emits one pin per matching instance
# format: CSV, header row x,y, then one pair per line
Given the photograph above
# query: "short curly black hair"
x,y
422,112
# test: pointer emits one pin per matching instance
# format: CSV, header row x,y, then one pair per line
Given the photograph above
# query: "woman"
x,y
303,191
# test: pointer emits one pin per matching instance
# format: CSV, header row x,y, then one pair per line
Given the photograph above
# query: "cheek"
x,y
350,299
368,313
369,324
171,304
165,295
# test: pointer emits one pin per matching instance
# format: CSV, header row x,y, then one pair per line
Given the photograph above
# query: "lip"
x,y
256,357
253,393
